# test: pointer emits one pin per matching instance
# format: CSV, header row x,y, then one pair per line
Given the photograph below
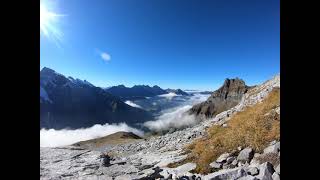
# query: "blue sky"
x,y
187,44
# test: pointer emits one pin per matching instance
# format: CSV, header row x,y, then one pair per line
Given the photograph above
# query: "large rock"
x,y
182,171
216,165
230,160
245,155
71,162
253,171
227,174
265,171
234,162
223,158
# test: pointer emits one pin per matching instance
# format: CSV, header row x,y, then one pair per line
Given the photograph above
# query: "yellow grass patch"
x,y
254,127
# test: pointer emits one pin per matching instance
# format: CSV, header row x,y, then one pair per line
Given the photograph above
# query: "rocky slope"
x,y
73,103
112,139
226,97
148,159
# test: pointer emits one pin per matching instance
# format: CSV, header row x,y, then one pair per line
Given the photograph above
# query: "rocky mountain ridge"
x,y
141,91
177,91
226,97
148,159
73,103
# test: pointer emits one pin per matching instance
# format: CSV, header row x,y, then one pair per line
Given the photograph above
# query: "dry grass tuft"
x,y
179,163
248,128
273,158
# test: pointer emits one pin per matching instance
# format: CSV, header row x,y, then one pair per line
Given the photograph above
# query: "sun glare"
x,y
49,23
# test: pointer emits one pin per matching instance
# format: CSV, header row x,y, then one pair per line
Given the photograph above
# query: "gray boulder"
x,y
240,163
216,165
234,162
245,155
265,171
253,171
227,174
230,160
223,158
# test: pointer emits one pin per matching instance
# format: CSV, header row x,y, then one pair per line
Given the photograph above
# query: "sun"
x,y
49,22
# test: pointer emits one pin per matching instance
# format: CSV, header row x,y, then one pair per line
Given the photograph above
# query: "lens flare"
x,y
49,22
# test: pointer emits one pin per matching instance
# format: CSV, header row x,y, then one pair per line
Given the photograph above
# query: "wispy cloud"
x,y
104,55
130,103
173,118
176,117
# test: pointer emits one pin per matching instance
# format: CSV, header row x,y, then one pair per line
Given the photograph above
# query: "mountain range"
x,y
73,103
241,142
66,102
141,91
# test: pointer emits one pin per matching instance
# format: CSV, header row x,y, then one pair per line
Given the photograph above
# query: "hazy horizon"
x,y
184,89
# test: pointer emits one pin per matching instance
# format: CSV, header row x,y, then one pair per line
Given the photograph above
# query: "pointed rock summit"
x,y
226,97
231,88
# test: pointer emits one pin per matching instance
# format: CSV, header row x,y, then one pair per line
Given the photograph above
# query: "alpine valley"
x,y
230,133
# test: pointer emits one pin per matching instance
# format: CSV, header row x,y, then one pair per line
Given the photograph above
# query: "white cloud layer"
x,y
169,95
54,138
130,103
176,117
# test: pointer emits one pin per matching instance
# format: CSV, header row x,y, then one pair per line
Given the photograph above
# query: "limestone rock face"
x,y
226,97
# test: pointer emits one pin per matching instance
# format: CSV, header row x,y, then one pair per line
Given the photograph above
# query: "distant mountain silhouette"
x,y
73,103
140,91
177,91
